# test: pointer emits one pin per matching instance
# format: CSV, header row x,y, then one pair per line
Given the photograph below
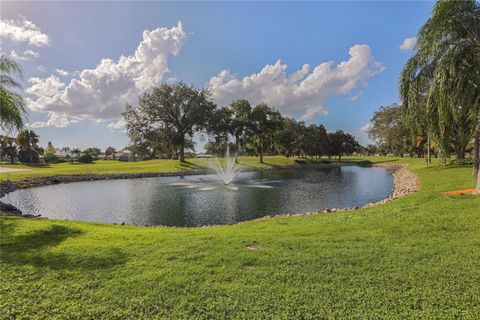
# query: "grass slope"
x,y
415,257
115,167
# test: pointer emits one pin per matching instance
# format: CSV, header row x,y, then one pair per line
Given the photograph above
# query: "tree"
x,y
110,151
390,132
49,153
93,152
265,121
173,110
287,138
8,149
315,140
12,106
220,126
27,141
443,76
339,143
241,123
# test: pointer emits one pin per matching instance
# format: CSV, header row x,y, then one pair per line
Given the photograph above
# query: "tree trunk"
x,y
477,189
182,153
429,146
261,149
237,148
476,156
460,152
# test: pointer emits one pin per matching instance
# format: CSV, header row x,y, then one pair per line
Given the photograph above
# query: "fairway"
x,y
414,257
118,167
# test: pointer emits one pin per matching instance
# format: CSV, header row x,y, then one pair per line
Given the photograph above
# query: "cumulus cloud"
x,y
23,31
408,44
62,72
117,125
100,94
53,121
302,92
25,55
45,87
365,128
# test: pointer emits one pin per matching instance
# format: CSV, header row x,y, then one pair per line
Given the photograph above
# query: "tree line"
x,y
165,120
24,148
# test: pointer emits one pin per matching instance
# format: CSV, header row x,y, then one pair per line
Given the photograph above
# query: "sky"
x,y
330,63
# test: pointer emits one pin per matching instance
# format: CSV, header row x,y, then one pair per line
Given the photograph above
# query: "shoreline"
x,y
404,183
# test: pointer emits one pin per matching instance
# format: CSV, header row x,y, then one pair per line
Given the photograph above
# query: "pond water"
x,y
202,200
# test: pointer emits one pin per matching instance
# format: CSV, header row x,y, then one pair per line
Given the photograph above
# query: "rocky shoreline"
x,y
404,182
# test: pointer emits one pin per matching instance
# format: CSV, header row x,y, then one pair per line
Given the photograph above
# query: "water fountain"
x,y
226,172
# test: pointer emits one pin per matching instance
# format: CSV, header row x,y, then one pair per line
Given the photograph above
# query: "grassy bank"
x,y
116,167
415,257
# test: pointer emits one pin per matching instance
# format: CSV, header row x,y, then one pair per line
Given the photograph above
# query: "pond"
x,y
200,200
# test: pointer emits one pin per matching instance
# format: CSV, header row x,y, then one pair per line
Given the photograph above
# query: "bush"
x,y
300,161
85,158
25,156
50,158
466,161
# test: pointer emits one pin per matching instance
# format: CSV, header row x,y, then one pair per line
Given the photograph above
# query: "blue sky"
x,y
225,46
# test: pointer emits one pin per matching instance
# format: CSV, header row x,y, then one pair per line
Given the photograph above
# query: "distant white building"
x,y
66,152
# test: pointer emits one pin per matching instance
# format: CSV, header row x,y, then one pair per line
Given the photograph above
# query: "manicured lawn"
x,y
115,167
415,257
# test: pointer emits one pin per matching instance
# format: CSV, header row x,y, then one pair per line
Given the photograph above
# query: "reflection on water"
x,y
202,200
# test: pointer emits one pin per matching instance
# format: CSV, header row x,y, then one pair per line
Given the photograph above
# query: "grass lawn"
x,y
115,167
414,257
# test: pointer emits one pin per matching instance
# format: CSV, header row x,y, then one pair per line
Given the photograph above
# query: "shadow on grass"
x,y
191,165
30,165
37,248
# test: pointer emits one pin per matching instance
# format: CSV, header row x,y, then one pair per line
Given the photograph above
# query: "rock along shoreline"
x,y
404,182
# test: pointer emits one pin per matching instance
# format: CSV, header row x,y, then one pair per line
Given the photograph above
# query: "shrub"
x,y
300,161
27,156
85,158
50,158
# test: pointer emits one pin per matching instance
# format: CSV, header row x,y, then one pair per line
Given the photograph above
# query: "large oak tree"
x,y
170,112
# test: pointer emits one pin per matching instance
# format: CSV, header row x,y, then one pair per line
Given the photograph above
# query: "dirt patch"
x,y
460,192
253,246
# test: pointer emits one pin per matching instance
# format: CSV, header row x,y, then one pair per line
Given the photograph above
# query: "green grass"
x,y
116,167
414,257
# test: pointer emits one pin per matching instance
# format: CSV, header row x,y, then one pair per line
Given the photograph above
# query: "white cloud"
x,y
53,121
100,94
303,92
23,31
408,44
312,112
62,72
25,55
117,125
45,87
366,127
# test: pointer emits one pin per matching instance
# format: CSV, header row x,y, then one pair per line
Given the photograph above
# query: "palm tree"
x,y
12,106
27,140
441,80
